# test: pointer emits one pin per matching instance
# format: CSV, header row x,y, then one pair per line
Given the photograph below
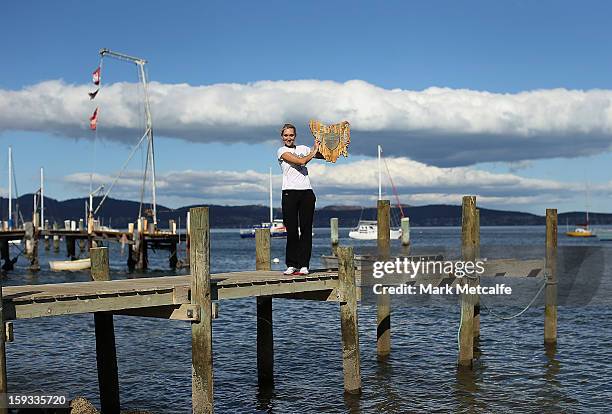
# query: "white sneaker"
x,y
290,270
303,271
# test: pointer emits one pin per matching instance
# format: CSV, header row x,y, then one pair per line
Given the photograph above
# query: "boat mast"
x,y
149,131
271,209
10,189
42,198
379,175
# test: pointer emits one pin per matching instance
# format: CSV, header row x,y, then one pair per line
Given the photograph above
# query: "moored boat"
x,y
70,265
580,232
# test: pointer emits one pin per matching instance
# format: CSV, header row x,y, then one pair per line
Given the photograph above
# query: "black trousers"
x,y
298,211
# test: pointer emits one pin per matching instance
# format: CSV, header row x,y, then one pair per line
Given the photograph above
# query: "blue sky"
x,y
507,100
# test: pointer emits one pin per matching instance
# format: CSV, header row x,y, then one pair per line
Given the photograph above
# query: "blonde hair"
x,y
288,126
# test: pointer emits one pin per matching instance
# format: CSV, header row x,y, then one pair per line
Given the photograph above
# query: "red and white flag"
x,y
93,120
96,76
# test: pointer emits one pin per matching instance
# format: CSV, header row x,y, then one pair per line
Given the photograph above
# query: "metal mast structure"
x,y
149,123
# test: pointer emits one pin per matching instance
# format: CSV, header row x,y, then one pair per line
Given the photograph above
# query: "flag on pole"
x,y
96,76
93,94
93,120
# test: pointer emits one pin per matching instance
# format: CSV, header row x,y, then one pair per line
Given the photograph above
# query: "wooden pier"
x,y
139,240
194,298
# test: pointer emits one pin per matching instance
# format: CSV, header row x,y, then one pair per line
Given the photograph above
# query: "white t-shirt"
x,y
295,177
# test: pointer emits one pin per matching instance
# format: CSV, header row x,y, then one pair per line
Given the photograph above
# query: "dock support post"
x,y
477,256
550,308
333,225
347,291
5,254
47,241
201,331
141,246
468,252
3,377
173,259
56,239
405,235
106,352
383,308
265,331
70,247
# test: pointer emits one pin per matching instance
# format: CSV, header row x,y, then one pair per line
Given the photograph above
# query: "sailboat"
x,y
582,230
276,226
368,229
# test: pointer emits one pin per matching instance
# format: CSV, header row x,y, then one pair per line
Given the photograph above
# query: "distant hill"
x,y
120,212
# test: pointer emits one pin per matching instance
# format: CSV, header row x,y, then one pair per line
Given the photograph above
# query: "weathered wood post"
x,y
347,291
201,331
333,226
5,254
550,308
383,309
3,377
106,352
477,256
56,239
468,253
405,222
265,331
70,247
47,242
141,246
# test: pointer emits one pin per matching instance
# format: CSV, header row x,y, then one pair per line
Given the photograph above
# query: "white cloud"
x,y
438,126
349,183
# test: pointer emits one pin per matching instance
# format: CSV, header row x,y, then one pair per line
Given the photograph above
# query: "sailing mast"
x,y
271,209
149,122
379,174
10,189
42,199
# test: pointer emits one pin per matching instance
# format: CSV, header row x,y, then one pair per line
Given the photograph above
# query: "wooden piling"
x,y
477,256
3,377
5,255
201,331
383,305
106,352
405,225
333,225
56,240
550,308
468,252
70,247
347,291
265,331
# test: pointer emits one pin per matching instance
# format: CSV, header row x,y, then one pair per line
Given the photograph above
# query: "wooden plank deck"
x,y
33,301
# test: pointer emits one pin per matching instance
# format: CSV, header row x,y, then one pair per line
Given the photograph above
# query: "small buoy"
x,y
275,260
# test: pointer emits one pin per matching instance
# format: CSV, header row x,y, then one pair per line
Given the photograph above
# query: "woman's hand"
x,y
315,147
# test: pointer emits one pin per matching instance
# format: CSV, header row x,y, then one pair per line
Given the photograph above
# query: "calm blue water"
x,y
514,372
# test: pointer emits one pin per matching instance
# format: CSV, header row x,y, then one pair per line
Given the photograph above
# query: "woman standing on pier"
x,y
298,200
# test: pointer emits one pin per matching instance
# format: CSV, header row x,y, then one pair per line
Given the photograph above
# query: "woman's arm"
x,y
294,159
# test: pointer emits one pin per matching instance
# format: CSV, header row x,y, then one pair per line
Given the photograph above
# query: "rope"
x,y
121,171
507,318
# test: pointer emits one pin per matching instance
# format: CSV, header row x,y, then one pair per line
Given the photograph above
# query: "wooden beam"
x,y
106,351
3,376
550,308
333,226
99,263
201,332
265,332
476,235
348,321
468,252
383,305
